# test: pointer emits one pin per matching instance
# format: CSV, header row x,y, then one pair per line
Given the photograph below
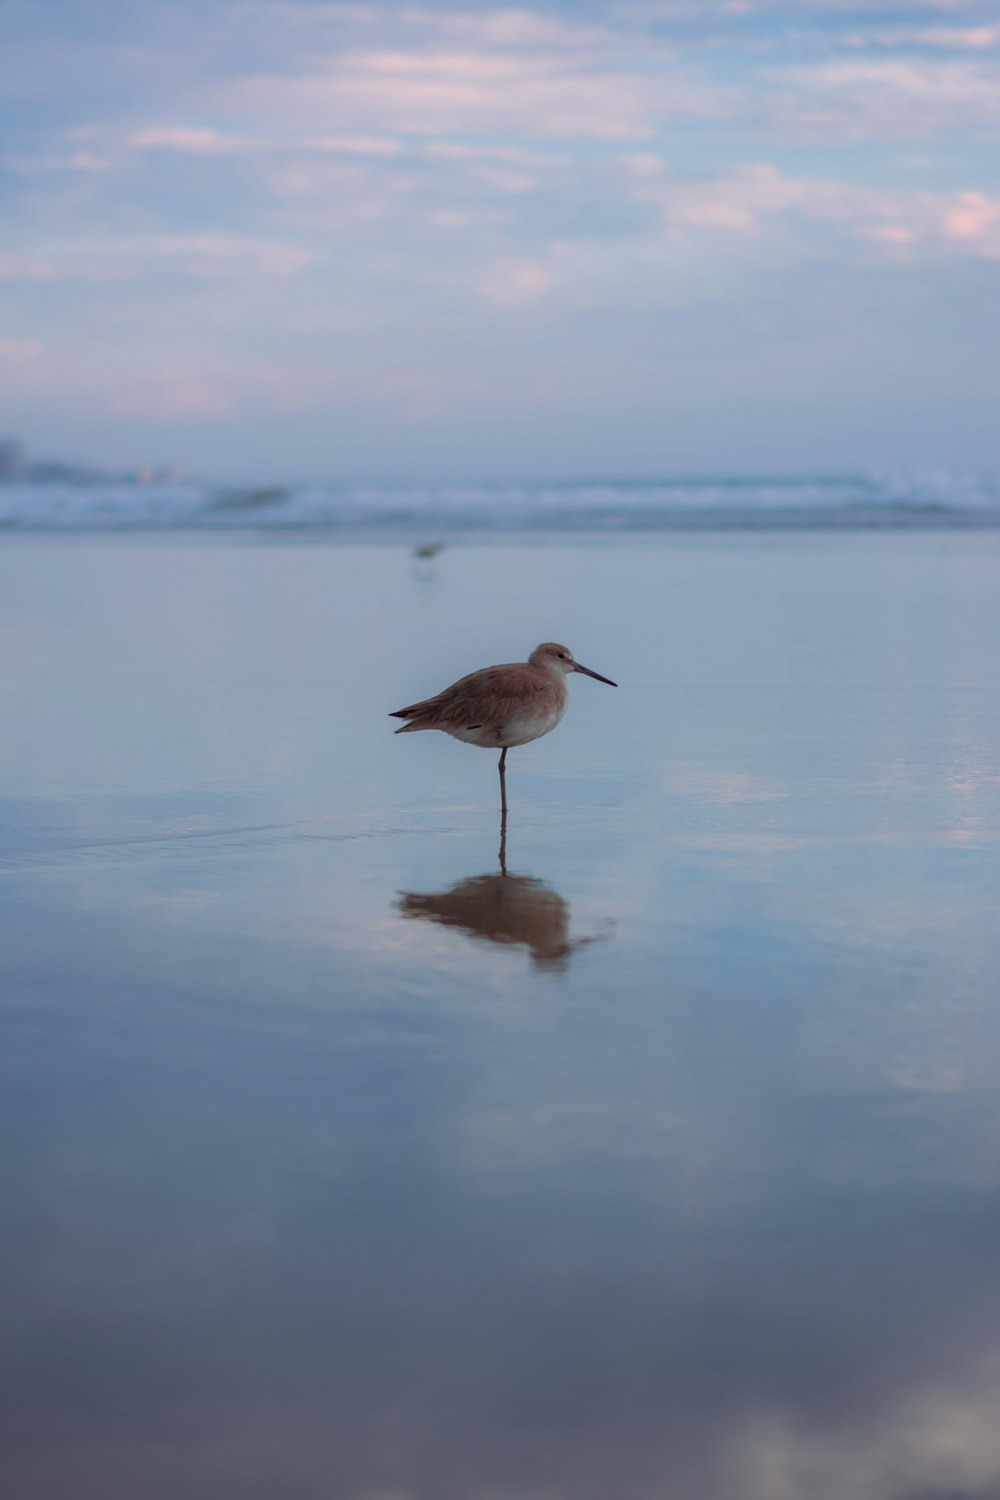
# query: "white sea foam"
x,y
928,500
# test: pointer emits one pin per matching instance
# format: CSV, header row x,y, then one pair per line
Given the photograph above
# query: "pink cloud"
x,y
354,145
514,284
743,201
438,96
17,350
185,138
891,234
975,217
441,92
759,198
195,141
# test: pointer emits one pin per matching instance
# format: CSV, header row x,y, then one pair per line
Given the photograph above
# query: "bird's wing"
x,y
488,696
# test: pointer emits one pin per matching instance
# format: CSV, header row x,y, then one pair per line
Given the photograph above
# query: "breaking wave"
x,y
928,501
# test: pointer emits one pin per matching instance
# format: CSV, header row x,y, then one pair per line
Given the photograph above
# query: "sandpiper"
x,y
499,707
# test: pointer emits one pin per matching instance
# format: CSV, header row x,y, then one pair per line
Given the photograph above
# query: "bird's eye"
x,y
562,656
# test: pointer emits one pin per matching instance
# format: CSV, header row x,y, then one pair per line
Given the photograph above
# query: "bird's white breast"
x,y
518,728
525,726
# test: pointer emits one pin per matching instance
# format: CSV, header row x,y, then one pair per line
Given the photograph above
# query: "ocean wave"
x,y
936,500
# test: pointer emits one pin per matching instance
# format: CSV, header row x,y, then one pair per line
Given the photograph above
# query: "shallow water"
x,y
337,1166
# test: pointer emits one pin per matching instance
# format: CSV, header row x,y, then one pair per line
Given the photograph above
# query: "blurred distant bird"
x,y
428,549
498,707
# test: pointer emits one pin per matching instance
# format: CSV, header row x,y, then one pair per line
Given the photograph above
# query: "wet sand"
x,y
338,1167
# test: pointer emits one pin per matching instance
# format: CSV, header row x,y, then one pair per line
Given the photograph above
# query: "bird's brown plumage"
x,y
488,698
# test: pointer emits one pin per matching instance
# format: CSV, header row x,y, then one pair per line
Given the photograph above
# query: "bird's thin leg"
x,y
503,842
503,781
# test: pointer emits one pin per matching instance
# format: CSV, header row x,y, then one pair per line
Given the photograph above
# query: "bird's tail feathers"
x,y
410,728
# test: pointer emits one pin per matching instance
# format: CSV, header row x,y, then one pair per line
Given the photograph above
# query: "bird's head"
x,y
560,659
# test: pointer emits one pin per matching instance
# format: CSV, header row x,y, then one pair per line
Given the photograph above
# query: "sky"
x,y
283,239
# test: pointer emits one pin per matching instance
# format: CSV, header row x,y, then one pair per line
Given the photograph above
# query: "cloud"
x,y
495,163
196,141
300,177
513,91
708,14
976,219
16,350
185,138
837,8
923,1442
209,388
933,38
519,29
66,159
514,284
457,93
188,375
888,99
173,393
747,202
354,145
127,258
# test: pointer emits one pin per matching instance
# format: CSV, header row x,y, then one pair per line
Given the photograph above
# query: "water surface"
x,y
337,1166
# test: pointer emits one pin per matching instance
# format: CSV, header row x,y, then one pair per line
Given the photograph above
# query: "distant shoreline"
x,y
451,512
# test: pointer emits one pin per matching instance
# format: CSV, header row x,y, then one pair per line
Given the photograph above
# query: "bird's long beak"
x,y
588,673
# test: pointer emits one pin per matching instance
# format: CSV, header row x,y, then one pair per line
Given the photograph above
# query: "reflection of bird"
x,y
498,707
507,909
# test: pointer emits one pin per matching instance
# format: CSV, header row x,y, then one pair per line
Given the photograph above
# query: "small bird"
x,y
498,707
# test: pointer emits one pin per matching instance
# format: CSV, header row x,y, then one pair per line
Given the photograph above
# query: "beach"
x,y
337,1168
